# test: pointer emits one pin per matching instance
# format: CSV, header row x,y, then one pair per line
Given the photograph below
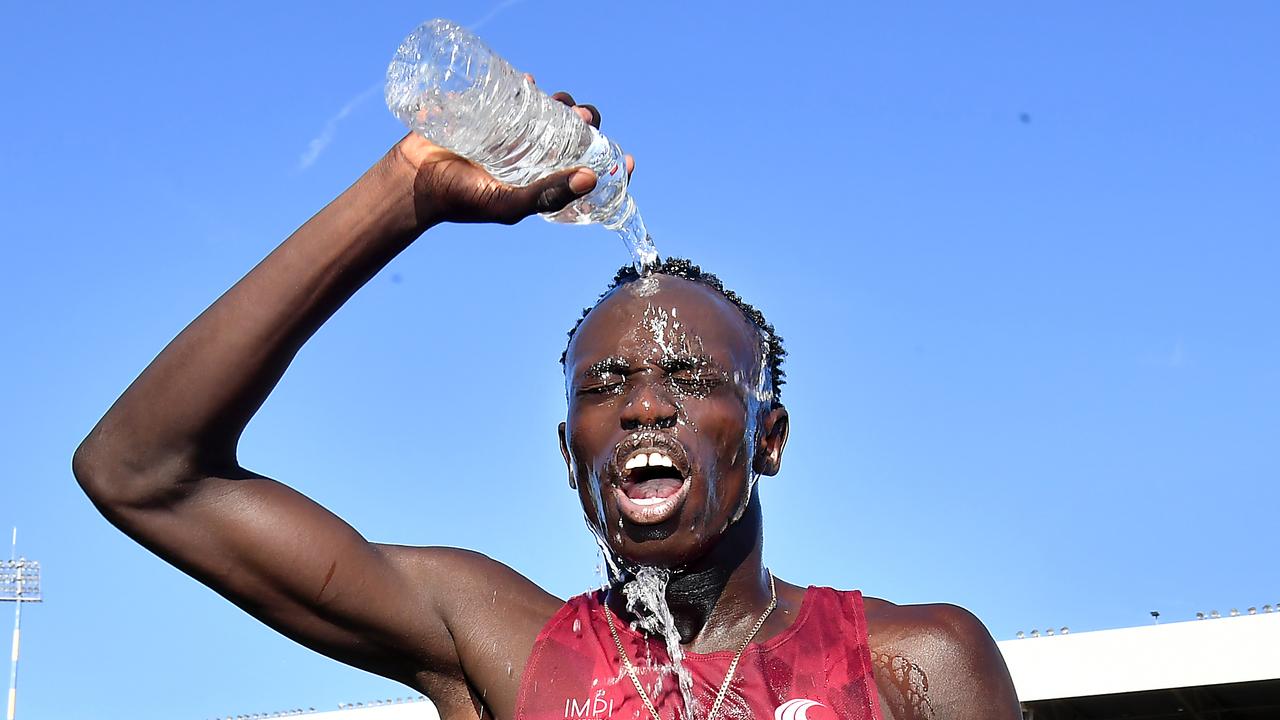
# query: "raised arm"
x,y
161,464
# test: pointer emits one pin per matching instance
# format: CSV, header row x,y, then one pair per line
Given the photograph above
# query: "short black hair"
x,y
682,268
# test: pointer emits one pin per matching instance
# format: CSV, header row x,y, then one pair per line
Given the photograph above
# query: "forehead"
x,y
662,313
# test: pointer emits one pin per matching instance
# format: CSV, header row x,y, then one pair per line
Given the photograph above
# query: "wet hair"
x,y
682,268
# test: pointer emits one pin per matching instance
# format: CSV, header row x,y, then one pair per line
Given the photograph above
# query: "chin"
x,y
656,546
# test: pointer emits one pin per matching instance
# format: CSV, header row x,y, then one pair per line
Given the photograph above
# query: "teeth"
x,y
645,502
644,460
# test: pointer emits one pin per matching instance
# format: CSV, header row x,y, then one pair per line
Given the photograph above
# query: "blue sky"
x,y
1023,257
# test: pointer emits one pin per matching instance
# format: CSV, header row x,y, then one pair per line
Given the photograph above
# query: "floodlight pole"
x,y
13,661
20,583
17,630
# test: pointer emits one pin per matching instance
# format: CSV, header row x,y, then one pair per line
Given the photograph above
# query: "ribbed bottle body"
x,y
446,84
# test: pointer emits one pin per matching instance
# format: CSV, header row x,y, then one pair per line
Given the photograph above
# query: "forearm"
x,y
186,411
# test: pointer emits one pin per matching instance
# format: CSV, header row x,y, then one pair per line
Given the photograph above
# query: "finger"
x,y
558,190
630,162
529,77
565,98
593,115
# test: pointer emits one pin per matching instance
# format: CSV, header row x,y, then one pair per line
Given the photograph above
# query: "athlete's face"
x,y
670,419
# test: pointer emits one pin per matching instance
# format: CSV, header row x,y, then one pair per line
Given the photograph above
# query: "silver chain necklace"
x,y
728,678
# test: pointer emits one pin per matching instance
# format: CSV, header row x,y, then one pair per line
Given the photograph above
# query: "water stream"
x,y
646,595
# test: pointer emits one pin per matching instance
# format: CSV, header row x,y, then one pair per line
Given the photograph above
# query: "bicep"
x,y
303,571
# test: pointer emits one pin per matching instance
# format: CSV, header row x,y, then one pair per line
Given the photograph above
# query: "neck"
x,y
716,600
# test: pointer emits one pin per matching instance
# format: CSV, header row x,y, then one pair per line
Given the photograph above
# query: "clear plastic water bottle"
x,y
451,88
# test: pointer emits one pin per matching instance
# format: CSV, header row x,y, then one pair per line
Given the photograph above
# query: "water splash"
x,y
611,564
758,393
644,254
646,595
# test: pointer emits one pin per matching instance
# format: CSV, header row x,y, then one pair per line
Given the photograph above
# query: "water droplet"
x,y
577,626
509,670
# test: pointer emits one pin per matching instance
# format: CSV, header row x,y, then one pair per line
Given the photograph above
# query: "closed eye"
x,y
604,377
694,374
603,386
698,383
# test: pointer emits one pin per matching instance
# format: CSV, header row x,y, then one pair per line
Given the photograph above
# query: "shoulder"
x,y
490,614
467,576
937,660
482,604
941,625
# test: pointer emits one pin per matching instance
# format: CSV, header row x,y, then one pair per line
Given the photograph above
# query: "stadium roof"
x,y
1154,657
1224,668
411,708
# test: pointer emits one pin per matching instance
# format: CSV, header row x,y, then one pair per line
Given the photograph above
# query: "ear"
x,y
773,439
568,463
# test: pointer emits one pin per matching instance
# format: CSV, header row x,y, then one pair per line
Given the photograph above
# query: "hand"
x,y
450,188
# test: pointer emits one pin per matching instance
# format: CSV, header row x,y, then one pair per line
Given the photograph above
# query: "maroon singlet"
x,y
819,668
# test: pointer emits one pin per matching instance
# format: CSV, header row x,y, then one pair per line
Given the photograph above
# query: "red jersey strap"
x,y
819,668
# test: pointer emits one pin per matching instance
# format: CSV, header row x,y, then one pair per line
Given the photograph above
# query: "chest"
x,y
783,683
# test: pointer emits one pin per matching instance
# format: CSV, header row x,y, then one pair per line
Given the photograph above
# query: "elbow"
x,y
87,465
99,475
117,482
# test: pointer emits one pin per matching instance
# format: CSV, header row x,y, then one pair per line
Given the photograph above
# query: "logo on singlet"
x,y
796,709
592,707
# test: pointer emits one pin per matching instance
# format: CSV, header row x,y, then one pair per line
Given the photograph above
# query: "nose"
x,y
649,406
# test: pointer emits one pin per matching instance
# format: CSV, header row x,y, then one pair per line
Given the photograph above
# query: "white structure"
x,y
1192,669
422,709
413,708
1154,657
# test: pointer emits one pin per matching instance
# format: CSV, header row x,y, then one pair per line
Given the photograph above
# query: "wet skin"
x,y
457,626
669,364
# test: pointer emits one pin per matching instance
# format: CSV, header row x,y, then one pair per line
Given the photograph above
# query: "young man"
x,y
673,413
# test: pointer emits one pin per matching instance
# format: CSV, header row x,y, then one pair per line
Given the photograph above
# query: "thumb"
x,y
555,191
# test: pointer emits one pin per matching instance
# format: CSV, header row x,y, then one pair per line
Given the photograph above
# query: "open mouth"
x,y
653,478
648,478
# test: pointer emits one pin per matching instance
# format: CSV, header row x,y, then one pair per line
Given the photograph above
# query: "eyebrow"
x,y
614,364
688,362
619,365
